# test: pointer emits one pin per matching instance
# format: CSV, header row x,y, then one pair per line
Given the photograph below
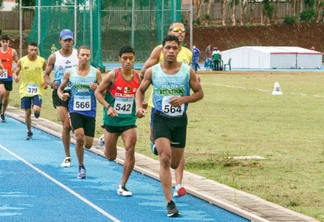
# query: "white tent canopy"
x,y
273,57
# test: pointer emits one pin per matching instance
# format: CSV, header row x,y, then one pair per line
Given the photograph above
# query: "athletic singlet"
x,y
184,56
121,96
6,59
63,63
167,86
32,77
83,100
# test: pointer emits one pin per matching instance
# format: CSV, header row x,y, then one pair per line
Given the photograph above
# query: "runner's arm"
x,y
17,71
140,94
103,86
48,70
60,91
152,60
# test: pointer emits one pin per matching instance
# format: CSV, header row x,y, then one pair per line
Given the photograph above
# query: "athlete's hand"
x,y
55,85
177,101
112,112
144,104
17,79
93,86
140,112
65,96
45,86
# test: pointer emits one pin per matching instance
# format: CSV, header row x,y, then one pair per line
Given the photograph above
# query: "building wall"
x,y
8,5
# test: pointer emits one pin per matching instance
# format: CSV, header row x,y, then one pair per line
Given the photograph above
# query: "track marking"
x,y
261,90
62,185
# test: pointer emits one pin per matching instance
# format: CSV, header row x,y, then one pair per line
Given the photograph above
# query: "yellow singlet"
x,y
185,56
32,77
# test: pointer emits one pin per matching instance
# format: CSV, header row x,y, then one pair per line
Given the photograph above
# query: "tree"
x,y
319,6
224,4
27,2
243,7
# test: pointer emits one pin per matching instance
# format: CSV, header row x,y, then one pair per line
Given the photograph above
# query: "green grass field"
x,y
239,116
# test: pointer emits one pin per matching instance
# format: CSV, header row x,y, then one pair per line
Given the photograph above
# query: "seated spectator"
x,y
208,64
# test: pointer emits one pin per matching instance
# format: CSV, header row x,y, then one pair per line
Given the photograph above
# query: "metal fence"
x,y
9,20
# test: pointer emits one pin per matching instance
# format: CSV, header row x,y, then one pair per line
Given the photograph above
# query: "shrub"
x,y
198,21
307,15
290,20
207,16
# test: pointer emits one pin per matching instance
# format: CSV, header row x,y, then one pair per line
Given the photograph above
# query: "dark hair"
x,y
32,43
170,38
126,49
5,37
83,47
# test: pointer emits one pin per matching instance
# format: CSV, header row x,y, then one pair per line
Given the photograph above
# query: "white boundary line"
x,y
262,90
62,185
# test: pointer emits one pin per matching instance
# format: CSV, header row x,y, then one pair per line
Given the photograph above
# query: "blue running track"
x,y
33,186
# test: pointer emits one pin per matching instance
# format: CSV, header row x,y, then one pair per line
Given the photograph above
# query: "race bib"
x,y
32,89
124,105
170,110
82,103
4,74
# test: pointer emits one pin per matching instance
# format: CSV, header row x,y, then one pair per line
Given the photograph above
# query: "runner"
x,y
84,81
60,61
33,84
185,56
172,81
117,94
7,56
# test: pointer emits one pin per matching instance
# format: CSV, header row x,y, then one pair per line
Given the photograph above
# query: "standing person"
x,y
117,94
208,51
7,56
185,55
60,61
84,81
217,58
33,84
195,59
172,81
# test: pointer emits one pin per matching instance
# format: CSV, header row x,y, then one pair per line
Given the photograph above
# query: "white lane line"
x,y
62,185
262,90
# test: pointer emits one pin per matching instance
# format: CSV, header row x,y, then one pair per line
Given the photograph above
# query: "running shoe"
x,y
123,191
172,209
66,162
82,173
29,136
179,191
3,118
153,148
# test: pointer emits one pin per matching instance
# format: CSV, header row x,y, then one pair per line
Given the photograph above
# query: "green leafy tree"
x,y
27,2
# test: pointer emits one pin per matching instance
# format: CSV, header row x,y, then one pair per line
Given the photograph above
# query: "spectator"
x,y
208,64
208,51
217,58
195,58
